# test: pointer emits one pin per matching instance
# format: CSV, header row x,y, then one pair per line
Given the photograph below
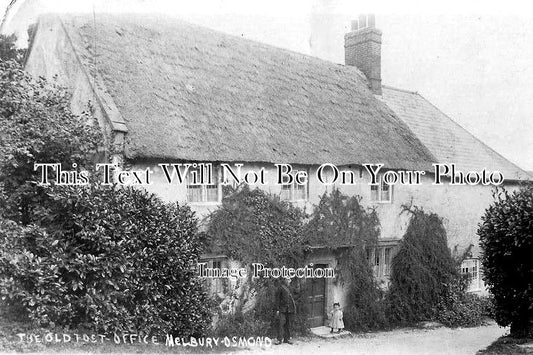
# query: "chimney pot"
x,y
362,21
371,21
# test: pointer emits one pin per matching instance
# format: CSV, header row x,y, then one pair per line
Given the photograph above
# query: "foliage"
x,y
241,324
252,226
421,271
106,259
506,238
507,345
458,308
339,220
341,223
369,318
9,50
36,125
365,309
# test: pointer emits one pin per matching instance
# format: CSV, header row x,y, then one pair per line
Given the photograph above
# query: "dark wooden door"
x,y
316,299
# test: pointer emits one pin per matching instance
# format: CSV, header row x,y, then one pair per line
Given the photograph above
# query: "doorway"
x,y
316,299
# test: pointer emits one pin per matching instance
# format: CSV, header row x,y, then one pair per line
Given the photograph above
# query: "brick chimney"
x,y
362,48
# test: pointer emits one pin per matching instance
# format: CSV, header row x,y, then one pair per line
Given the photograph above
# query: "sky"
x,y
471,59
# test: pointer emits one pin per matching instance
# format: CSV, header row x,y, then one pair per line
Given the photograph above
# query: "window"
x,y
198,190
381,192
294,192
215,284
470,268
380,259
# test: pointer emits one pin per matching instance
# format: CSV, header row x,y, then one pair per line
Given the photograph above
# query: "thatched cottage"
x,y
165,91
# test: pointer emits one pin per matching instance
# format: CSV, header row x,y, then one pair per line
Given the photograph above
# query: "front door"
x,y
316,299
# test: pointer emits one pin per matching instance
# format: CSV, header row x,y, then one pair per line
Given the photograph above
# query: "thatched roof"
x,y
190,93
445,139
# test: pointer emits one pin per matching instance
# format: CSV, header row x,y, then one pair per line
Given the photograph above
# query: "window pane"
x,y
300,192
470,268
212,190
211,193
194,193
374,192
202,193
216,283
385,192
285,192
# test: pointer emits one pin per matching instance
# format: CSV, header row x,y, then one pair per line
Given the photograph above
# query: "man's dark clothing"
x,y
284,326
286,307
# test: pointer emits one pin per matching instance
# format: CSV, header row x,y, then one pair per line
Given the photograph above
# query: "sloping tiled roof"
x,y
447,140
189,93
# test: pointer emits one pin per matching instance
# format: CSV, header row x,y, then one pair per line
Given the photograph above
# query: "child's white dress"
x,y
336,319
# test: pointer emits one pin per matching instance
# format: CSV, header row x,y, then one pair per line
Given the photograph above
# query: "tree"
x,y
9,50
37,125
422,271
506,238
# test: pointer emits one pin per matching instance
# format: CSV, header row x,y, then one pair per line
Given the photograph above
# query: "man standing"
x,y
285,311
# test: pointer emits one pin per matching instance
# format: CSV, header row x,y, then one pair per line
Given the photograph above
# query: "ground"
x,y
401,341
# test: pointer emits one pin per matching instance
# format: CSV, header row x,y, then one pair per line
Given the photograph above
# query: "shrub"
x,y
458,308
37,126
252,226
506,238
371,317
108,260
421,271
242,325
9,50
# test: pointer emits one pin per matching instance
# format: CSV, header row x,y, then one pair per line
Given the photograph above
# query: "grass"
x,y
509,346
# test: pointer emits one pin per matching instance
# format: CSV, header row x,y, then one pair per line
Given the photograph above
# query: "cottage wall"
x,y
461,207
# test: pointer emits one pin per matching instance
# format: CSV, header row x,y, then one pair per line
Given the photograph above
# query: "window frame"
x,y
379,261
204,188
474,281
293,188
380,191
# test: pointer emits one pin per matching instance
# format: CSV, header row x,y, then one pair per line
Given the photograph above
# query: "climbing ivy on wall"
x,y
422,270
344,225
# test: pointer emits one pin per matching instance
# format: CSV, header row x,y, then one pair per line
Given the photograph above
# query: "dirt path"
x,y
438,341
404,341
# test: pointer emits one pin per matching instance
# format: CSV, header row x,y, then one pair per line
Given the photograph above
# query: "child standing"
x,y
336,318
